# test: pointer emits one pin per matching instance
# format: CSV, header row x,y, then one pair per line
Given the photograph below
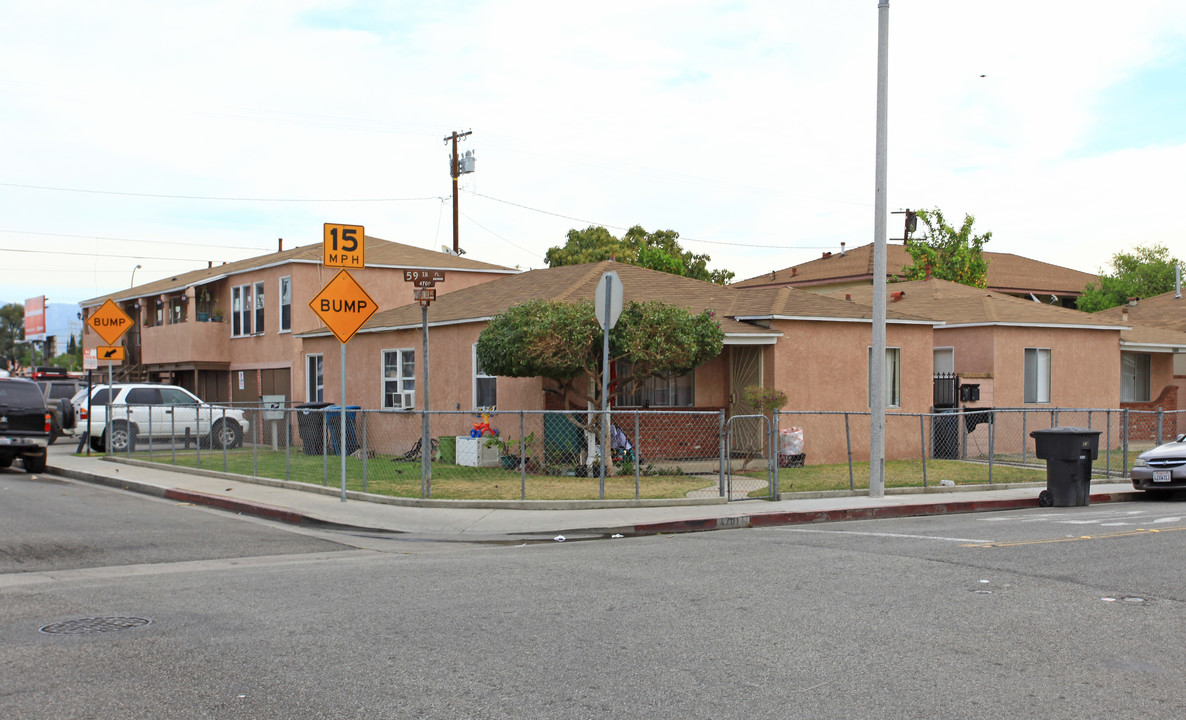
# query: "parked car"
x,y
1162,468
146,412
55,391
25,423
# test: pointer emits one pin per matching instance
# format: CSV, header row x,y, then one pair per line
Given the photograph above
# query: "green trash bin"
x,y
447,449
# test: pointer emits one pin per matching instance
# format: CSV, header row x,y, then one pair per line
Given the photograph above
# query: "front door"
x,y
745,369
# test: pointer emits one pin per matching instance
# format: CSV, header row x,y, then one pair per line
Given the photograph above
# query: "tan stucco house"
x,y
228,332
1007,273
814,348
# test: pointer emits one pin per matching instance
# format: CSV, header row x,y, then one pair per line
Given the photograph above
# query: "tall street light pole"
x,y
877,362
133,283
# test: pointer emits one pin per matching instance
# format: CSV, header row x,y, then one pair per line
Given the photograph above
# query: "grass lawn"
x,y
902,473
401,478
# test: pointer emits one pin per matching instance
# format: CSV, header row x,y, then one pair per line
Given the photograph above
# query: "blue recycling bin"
x,y
333,427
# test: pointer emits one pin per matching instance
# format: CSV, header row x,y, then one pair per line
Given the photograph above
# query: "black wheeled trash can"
x,y
1068,452
311,426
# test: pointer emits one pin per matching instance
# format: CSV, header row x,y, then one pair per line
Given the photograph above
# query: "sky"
x,y
143,139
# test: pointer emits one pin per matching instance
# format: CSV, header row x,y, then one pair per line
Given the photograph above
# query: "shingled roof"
x,y
1007,273
1163,311
962,305
379,253
575,283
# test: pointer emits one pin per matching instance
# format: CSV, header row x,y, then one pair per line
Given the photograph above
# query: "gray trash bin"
x,y
1068,452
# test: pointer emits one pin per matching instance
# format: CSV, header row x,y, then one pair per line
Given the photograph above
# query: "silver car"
x,y
1162,468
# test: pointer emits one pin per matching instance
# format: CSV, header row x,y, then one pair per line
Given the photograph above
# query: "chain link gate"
x,y
750,439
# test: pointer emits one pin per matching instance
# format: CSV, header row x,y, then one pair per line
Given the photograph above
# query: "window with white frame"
x,y
399,379
655,391
240,310
1037,375
893,377
259,307
314,378
485,386
944,360
1134,377
286,303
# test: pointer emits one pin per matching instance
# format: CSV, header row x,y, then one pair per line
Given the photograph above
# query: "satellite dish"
x,y
447,250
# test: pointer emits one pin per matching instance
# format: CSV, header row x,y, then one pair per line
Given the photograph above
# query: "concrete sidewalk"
x,y
299,503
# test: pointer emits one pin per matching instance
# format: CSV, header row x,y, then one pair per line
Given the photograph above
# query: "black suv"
x,y
25,424
58,389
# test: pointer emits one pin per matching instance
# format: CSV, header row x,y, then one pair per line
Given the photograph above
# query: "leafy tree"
x,y
562,342
12,331
659,250
950,254
1144,272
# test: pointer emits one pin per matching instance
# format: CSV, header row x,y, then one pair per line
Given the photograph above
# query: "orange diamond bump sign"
x,y
343,306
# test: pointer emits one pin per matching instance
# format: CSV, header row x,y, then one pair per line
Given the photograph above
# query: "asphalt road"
x,y
1062,613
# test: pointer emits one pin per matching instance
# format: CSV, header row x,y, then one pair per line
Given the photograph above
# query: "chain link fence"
x,y
557,455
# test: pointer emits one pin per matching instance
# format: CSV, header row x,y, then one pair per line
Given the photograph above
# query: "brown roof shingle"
x,y
1006,272
574,283
379,253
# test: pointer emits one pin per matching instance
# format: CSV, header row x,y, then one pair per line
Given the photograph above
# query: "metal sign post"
x,y
607,305
343,305
424,281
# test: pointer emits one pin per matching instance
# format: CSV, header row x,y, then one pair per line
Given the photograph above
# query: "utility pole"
x,y
877,362
455,171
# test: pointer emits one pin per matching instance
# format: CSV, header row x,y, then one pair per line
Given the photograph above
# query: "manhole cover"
x,y
94,625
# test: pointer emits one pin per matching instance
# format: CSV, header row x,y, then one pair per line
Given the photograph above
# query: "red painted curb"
x,y
872,513
224,503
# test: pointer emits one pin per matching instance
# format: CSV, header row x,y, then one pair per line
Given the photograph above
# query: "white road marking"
x,y
885,535
1167,519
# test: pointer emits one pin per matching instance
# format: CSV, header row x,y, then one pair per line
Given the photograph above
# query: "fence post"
x,y
637,456
288,439
198,433
1024,442
150,434
721,449
324,447
256,436
1126,418
1108,457
992,436
774,470
364,449
173,434
1159,426
848,446
922,447
522,456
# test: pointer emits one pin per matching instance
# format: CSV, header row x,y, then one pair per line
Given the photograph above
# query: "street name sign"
x,y
110,322
343,246
343,306
424,278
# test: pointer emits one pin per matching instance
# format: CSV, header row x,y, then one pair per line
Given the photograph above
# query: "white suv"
x,y
150,411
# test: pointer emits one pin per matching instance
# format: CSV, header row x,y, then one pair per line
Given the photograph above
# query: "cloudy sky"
x,y
172,134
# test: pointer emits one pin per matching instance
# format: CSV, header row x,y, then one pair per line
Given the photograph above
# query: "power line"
x,y
154,242
107,255
681,237
210,197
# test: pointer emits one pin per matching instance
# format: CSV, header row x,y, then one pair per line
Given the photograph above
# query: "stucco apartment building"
x,y
1153,352
229,332
814,348
1007,274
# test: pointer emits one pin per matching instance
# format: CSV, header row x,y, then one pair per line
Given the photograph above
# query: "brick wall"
x,y
1143,424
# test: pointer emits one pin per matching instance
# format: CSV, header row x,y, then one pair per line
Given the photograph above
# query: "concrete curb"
x,y
872,513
